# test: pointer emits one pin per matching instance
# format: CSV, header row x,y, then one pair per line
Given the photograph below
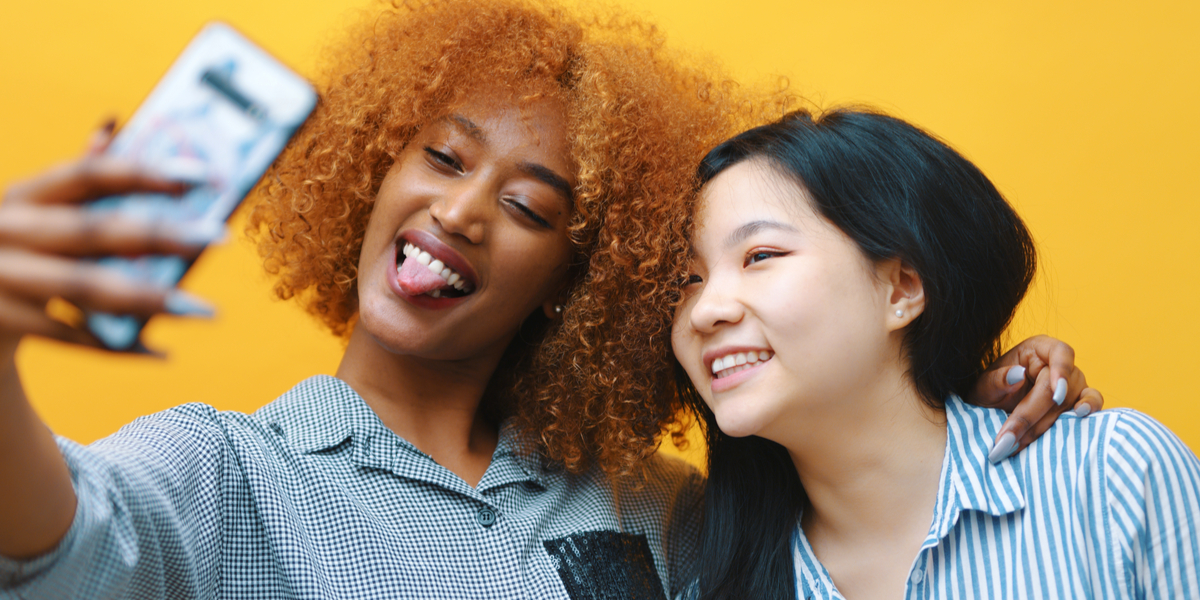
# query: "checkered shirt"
x,y
313,497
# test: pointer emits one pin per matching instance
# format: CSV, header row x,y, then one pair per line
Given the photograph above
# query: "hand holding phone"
x,y
216,120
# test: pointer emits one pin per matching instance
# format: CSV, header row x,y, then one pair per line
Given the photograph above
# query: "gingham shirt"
x,y
1107,506
313,497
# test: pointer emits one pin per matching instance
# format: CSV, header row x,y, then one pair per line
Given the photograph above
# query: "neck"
x,y
433,404
870,466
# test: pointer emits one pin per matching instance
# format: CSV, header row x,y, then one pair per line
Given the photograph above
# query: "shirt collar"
x,y
969,480
323,412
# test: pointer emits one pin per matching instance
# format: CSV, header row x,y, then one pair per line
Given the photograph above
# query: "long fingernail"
x,y
1060,391
1083,410
181,168
203,233
1015,375
184,304
1004,447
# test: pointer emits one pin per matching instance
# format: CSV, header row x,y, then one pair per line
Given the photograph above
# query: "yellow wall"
x,y
1084,113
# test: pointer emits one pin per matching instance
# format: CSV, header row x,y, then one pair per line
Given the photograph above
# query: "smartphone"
x,y
217,119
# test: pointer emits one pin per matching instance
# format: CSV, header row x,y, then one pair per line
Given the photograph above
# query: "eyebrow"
x,y
539,172
469,127
753,227
550,178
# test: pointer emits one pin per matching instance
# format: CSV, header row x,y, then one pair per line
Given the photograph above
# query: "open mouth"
x,y
739,361
419,273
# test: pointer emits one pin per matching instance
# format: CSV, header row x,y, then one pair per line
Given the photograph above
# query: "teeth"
x,y
738,362
436,266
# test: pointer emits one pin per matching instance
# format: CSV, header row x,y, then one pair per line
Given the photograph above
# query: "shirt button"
x,y
917,576
486,517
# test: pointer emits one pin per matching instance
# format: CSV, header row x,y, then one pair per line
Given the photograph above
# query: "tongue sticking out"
x,y
416,279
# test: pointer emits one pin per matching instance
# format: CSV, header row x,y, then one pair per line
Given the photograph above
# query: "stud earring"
x,y
899,313
558,309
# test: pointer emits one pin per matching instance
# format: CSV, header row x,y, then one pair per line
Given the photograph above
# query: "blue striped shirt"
x,y
1106,506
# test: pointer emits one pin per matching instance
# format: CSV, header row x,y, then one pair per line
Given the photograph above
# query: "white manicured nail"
x,y
202,233
183,304
1083,410
1015,375
1060,391
1004,447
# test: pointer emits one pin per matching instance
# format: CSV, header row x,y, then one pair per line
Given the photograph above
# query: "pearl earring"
x,y
899,313
558,309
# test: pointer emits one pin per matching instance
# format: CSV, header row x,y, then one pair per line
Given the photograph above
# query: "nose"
x,y
714,307
464,210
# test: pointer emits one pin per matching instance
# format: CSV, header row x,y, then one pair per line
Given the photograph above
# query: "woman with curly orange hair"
x,y
489,205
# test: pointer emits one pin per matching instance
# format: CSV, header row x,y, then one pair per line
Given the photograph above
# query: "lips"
x,y
428,269
730,367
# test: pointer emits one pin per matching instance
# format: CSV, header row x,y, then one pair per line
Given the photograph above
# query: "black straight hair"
x,y
898,192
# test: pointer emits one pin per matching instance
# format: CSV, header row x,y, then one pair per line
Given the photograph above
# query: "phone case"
x,y
218,118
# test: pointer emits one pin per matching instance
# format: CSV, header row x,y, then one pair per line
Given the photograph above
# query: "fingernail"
x,y
1083,410
1060,391
1004,447
184,304
201,233
1015,375
182,168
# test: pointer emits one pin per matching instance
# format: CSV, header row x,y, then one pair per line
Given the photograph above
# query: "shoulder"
x,y
665,479
1141,455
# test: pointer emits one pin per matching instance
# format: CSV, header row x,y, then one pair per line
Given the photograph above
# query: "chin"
x,y
739,424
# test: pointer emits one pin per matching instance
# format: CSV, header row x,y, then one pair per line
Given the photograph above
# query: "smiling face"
x,y
783,317
468,234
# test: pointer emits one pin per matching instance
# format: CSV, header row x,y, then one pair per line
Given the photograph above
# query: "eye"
x,y
691,279
443,159
759,256
527,212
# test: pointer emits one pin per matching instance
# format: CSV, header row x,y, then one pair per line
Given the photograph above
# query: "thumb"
x,y
996,387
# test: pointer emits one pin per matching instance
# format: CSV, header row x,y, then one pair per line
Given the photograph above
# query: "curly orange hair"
x,y
594,388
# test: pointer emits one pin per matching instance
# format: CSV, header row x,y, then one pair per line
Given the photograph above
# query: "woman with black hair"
x,y
852,276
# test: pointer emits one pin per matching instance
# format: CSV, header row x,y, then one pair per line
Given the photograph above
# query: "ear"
x,y
553,308
905,294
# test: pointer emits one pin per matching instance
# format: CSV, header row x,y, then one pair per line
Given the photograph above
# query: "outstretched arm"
x,y
1036,381
44,237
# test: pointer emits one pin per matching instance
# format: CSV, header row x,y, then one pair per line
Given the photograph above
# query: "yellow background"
x,y
1086,114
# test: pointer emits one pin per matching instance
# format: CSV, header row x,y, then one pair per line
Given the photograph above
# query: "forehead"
x,y
497,117
751,190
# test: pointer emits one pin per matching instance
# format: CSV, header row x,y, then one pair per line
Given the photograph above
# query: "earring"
x,y
558,309
899,313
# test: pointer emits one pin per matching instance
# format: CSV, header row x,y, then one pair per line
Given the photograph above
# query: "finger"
x,y
1032,408
1061,359
67,230
1043,424
86,285
998,385
27,318
100,141
90,178
1090,401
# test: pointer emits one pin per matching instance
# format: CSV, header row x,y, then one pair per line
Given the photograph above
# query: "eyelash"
x,y
449,161
444,159
764,254
528,212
